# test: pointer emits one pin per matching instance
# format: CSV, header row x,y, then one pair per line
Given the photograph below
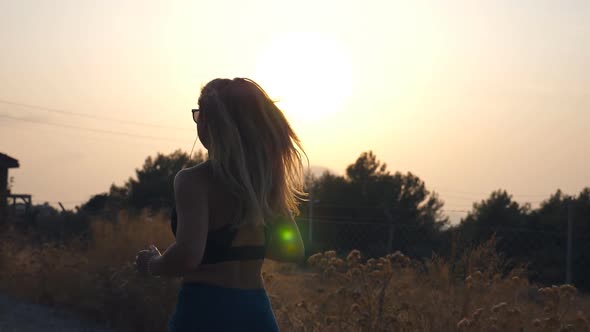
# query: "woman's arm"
x,y
184,255
285,243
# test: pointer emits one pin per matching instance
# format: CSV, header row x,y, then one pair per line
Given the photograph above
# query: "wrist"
x,y
150,265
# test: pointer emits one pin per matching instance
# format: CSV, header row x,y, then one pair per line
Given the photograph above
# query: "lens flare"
x,y
287,235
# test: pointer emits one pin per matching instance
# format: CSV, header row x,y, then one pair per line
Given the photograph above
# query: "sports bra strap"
x,y
218,247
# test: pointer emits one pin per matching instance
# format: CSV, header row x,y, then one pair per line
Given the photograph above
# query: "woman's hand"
x,y
143,257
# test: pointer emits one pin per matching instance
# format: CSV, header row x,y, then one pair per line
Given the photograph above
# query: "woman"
x,y
232,211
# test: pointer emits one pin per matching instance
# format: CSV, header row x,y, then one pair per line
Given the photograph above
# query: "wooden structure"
x,y
7,162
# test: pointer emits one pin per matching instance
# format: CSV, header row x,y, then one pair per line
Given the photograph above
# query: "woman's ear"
x,y
203,133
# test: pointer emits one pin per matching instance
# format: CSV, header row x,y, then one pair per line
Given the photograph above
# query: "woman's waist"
x,y
206,284
222,275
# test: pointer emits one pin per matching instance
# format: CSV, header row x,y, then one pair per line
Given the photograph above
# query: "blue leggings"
x,y
203,307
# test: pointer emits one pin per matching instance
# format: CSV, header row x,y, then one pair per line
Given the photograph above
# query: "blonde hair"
x,y
253,150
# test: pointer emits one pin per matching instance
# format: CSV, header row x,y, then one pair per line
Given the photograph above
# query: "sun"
x,y
309,75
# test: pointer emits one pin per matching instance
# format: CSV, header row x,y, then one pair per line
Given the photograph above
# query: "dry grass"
x,y
391,293
97,278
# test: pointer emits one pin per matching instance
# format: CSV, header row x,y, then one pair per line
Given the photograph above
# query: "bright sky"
x,y
470,96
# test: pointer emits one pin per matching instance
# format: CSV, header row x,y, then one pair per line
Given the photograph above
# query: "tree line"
x,y
374,210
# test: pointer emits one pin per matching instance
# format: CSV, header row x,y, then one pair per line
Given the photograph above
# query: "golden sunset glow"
x,y
432,87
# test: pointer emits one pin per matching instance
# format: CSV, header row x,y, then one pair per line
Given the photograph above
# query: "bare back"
x,y
243,274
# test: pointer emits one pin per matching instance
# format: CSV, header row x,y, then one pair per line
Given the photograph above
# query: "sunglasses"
x,y
196,113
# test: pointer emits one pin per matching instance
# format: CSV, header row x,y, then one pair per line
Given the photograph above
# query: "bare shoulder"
x,y
196,177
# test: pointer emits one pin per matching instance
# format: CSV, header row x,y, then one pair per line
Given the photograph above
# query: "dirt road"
x,y
19,316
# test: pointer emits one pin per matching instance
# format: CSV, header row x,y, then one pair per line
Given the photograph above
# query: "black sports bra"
x,y
219,248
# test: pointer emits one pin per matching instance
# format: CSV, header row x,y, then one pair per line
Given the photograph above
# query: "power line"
x,y
487,194
102,131
453,197
461,200
56,202
90,116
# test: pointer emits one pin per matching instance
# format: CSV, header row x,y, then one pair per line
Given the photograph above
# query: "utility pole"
x,y
389,218
570,231
310,225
